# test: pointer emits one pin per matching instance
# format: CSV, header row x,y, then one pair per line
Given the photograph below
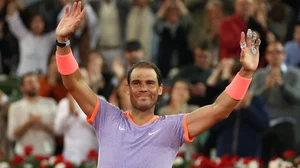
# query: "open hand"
x,y
249,56
70,21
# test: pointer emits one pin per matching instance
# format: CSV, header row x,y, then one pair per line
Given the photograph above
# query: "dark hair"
x,y
204,45
274,43
26,75
133,45
145,64
178,80
296,25
40,14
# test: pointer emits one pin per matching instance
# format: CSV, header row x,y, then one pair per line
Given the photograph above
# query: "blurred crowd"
x,y
196,45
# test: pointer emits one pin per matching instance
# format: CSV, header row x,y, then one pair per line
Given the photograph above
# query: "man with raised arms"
x,y
137,138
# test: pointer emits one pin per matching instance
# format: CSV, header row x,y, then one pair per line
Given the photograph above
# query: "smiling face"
x,y
144,88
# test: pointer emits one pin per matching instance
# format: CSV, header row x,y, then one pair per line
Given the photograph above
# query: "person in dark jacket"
x,y
172,25
239,134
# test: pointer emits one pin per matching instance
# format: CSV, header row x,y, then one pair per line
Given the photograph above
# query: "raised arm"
x,y
14,21
205,117
67,64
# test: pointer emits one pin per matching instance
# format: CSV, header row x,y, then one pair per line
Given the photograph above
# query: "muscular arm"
x,y
203,118
81,92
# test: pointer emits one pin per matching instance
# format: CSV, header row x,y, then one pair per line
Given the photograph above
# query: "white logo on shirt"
x,y
121,129
151,133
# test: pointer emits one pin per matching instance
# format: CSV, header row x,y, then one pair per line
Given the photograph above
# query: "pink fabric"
x,y
238,87
66,64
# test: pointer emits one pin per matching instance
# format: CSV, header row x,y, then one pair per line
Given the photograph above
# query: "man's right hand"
x,y
69,22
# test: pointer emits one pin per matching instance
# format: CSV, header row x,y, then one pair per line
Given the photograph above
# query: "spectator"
x,y
197,74
139,26
71,122
292,48
8,52
220,76
178,103
214,16
134,52
232,26
31,119
31,57
198,28
239,134
51,84
172,25
112,20
279,85
294,17
120,96
99,80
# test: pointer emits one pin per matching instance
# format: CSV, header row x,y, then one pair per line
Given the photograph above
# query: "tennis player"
x,y
137,138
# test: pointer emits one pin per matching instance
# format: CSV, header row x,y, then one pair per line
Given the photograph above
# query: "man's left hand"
x,y
249,56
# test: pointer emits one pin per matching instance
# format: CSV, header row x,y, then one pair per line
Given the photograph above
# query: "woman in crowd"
x,y
35,45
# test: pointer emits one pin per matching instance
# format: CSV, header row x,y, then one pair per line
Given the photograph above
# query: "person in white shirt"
x,y
35,45
79,136
31,119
